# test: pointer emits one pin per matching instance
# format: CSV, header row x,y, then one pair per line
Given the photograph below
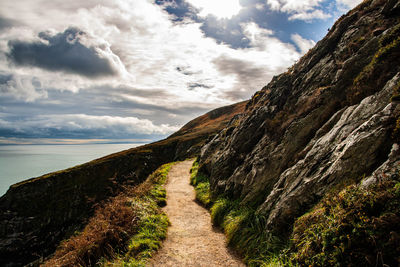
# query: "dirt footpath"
x,y
191,239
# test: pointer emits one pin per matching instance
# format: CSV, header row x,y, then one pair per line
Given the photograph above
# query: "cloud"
x,y
253,67
57,141
306,10
192,86
348,4
309,16
72,51
220,8
303,44
83,126
246,74
21,87
7,23
293,5
172,71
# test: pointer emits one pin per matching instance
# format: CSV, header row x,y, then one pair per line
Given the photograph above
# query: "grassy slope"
x,y
243,227
128,228
350,226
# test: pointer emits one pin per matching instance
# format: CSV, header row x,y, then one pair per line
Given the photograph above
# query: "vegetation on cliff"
x,y
354,226
279,179
125,230
243,227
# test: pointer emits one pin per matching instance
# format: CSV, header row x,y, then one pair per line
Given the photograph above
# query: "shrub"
x,y
357,227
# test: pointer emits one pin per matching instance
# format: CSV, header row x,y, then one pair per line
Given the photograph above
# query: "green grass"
x,y
243,227
355,227
375,74
201,185
350,226
153,223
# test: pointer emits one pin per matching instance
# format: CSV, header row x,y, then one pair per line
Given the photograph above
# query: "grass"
x,y
124,231
242,225
201,185
355,227
350,226
379,70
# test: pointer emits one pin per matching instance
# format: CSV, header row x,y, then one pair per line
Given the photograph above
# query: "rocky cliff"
x,y
35,215
332,119
329,119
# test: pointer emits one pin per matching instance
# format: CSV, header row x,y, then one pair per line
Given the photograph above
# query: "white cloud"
x,y
152,49
303,44
22,87
306,10
309,16
252,68
218,8
131,125
77,124
56,141
348,4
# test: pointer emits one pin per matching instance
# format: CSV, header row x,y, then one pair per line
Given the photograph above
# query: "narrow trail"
x,y
191,239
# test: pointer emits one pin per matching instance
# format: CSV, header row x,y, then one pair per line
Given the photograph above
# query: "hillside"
x,y
307,174
36,214
329,122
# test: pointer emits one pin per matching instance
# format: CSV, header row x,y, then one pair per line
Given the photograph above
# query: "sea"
x,y
21,162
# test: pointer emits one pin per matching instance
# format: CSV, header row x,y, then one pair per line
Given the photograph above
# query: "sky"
x,y
137,70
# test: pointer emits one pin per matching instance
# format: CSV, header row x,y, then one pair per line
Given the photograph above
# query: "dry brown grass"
x,y
109,228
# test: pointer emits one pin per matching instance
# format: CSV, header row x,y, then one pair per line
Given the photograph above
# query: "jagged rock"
x,y
354,146
313,127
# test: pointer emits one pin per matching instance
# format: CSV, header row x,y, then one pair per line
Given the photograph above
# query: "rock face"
x,y
327,120
35,215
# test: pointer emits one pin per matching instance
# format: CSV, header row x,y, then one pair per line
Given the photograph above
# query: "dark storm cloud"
x,y
61,52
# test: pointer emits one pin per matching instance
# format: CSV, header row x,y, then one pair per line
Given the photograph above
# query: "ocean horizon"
x,y
22,162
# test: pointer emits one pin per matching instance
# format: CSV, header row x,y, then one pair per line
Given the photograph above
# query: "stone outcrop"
x,y
327,120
